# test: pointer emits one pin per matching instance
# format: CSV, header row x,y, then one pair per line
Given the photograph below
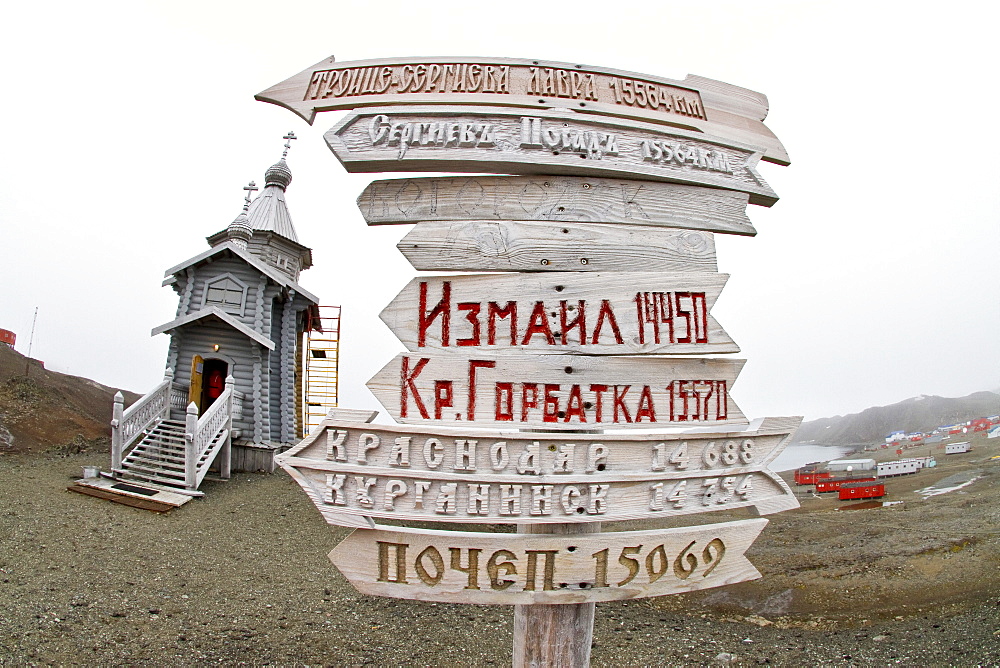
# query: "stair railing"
x,y
127,426
216,423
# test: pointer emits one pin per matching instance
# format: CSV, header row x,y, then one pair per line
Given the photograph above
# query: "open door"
x,y
213,382
197,374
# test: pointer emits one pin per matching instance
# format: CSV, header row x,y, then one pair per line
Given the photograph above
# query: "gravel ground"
x,y
241,577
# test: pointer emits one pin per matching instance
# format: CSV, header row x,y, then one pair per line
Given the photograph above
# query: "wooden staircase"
x,y
159,457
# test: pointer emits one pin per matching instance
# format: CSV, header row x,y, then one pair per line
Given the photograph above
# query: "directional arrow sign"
x,y
354,471
498,245
568,199
518,569
561,313
508,141
697,103
556,392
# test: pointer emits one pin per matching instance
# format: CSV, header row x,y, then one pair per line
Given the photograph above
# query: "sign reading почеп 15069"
x,y
697,103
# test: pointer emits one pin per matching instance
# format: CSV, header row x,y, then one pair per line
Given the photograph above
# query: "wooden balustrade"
x,y
128,425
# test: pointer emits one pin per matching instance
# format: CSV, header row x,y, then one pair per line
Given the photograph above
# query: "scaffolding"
x,y
322,355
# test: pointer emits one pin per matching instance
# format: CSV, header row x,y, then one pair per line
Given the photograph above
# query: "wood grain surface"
x,y
431,474
698,103
506,569
533,246
561,312
570,199
504,141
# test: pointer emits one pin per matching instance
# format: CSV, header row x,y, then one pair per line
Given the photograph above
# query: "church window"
x,y
226,292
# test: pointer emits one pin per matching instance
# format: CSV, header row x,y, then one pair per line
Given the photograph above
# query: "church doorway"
x,y
213,382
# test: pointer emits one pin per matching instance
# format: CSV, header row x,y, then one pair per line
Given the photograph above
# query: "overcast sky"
x,y
129,130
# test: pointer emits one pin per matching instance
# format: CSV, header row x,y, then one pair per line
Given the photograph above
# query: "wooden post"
x,y
116,432
225,457
554,635
190,456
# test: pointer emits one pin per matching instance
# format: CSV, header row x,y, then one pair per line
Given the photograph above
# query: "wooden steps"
x,y
159,459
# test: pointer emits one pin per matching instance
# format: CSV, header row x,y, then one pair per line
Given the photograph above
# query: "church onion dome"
x,y
239,231
278,174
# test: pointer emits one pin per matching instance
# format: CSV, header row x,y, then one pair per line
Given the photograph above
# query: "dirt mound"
x,y
44,410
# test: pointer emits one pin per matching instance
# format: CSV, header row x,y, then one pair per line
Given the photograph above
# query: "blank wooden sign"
x,y
516,569
698,103
507,141
497,245
593,314
568,199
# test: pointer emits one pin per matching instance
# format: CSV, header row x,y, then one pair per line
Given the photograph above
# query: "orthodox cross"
x,y
250,188
288,142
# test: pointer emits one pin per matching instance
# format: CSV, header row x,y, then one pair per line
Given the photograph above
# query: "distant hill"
x,y
921,413
42,410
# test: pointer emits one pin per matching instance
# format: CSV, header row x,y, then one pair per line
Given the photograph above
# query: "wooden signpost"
x,y
569,199
491,139
705,105
563,394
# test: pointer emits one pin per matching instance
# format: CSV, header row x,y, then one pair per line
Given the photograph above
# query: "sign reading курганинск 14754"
x,y
357,470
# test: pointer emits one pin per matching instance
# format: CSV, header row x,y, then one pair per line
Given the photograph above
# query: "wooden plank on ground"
x,y
702,104
494,245
558,392
569,199
353,471
519,569
160,502
561,312
505,141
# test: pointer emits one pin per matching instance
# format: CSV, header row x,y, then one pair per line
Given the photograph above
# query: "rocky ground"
x,y
241,577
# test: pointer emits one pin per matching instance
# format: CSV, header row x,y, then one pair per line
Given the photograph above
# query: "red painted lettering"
x,y
619,403
442,310
574,405
579,322
598,391
528,403
539,324
645,409
494,311
473,365
442,396
504,402
550,411
473,317
407,387
606,313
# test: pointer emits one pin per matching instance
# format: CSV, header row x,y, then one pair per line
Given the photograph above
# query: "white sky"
x,y
129,130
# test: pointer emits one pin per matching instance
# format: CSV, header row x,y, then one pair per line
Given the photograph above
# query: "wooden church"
x,y
234,385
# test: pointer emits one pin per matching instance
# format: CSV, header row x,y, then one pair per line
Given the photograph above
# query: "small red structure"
x,y
808,475
834,484
862,490
7,337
